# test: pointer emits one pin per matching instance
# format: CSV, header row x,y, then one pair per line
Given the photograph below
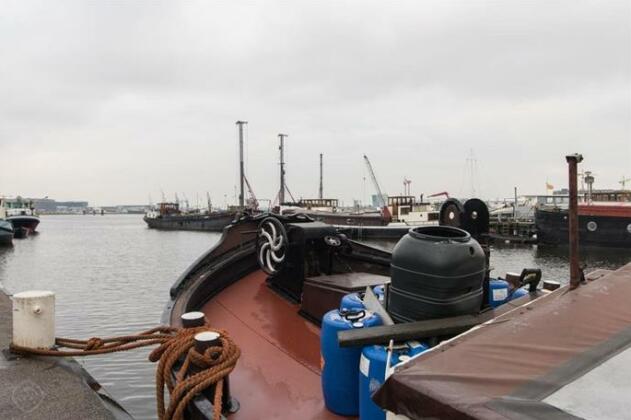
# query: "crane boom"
x,y
380,196
253,201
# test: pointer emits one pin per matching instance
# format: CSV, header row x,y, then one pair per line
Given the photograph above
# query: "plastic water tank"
x,y
498,292
517,293
436,271
352,301
340,371
372,371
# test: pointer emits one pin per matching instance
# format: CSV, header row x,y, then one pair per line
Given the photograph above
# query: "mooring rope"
x,y
204,370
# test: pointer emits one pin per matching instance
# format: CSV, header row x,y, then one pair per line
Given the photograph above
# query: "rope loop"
x,y
195,372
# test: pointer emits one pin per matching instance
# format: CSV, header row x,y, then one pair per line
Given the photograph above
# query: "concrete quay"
x,y
47,387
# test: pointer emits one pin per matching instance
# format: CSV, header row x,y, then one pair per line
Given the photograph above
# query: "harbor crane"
x,y
253,202
445,193
382,198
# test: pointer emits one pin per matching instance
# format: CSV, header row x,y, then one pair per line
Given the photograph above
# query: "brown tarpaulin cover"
x,y
506,367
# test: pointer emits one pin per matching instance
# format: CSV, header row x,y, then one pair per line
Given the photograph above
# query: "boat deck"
x,y
278,374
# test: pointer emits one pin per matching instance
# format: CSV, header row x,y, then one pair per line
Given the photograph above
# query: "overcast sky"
x,y
114,101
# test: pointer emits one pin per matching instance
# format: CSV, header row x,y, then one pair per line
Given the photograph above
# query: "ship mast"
x,y
320,193
241,170
281,192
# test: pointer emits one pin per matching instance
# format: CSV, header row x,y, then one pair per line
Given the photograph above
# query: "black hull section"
x,y
23,225
347,219
607,231
199,223
6,238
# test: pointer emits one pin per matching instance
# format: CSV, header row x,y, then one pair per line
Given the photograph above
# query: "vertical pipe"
x,y
281,192
241,169
575,276
321,192
515,206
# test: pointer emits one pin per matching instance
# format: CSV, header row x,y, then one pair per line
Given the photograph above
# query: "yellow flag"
x,y
549,186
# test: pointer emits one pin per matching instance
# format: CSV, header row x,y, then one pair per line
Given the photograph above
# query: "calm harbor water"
x,y
112,276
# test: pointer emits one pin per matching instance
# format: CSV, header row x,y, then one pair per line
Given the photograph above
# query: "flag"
x,y
549,186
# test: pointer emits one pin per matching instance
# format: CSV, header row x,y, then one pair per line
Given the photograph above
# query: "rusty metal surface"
x,y
278,374
575,277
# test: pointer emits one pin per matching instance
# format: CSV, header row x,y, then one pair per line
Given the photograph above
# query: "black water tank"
x,y
437,271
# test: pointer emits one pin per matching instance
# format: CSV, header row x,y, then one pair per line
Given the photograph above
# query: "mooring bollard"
x,y
34,319
193,319
204,340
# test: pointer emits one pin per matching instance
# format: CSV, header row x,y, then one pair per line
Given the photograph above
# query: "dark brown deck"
x,y
278,374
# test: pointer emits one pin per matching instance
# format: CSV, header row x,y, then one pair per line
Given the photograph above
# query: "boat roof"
x,y
565,355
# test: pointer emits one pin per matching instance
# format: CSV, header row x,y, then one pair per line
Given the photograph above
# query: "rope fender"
x,y
205,369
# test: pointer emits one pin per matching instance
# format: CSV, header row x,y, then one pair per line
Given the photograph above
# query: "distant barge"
x,y
169,217
601,224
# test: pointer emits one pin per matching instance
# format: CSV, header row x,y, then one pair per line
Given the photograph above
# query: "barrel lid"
x,y
440,233
358,324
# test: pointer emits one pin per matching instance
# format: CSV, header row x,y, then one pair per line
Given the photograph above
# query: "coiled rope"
x,y
199,371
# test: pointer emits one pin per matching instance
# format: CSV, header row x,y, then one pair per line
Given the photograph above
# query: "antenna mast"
x,y
320,193
281,192
241,170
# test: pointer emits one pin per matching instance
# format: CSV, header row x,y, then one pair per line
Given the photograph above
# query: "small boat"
x,y
21,213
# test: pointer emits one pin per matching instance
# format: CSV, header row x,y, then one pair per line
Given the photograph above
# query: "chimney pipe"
x,y
575,275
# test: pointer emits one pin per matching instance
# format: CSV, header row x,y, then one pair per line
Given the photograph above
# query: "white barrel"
x,y
34,319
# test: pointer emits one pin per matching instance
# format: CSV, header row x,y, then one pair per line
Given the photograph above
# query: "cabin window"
x,y
592,226
629,228
405,210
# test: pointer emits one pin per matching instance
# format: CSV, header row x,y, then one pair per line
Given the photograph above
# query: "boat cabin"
x,y
406,209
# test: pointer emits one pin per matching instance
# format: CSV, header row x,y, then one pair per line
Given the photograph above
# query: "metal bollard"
x,y
34,319
193,319
203,341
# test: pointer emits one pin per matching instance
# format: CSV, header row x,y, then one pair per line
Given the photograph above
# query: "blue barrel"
x,y
340,371
498,292
352,301
517,293
372,371
380,292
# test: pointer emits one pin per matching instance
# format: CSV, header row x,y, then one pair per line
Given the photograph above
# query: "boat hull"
x,y
6,238
23,225
594,229
346,219
195,222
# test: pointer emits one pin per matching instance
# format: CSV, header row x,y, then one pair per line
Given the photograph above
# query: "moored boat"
x,y
21,213
606,224
167,216
326,210
6,233
272,281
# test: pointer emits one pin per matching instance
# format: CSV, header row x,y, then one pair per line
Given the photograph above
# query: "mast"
x,y
281,192
320,193
241,169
